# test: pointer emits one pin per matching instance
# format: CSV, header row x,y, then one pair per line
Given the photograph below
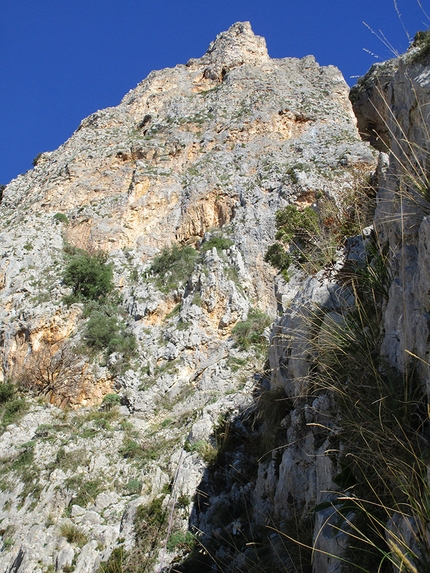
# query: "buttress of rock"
x,y
239,45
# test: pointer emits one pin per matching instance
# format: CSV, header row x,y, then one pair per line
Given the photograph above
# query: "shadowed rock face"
x,y
391,104
204,151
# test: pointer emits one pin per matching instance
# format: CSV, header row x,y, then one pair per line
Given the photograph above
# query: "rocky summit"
x,y
214,325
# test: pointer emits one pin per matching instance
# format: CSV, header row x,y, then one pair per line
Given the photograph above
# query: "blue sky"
x,y
62,60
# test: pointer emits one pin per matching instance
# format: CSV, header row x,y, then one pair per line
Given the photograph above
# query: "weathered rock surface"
x,y
392,102
210,149
299,431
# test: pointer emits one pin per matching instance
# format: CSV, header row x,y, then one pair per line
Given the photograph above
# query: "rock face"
x,y
392,101
321,414
202,156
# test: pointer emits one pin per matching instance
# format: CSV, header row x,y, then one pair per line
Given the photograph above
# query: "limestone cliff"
x,y
198,158
340,470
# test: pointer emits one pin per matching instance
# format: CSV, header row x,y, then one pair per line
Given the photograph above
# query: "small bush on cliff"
x,y
7,391
422,41
220,243
11,407
61,218
150,526
91,279
173,266
104,332
310,238
90,276
249,332
298,238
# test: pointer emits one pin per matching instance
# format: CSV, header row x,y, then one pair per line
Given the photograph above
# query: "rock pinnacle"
x,y
235,47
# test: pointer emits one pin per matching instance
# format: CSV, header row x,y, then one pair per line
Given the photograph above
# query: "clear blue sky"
x,y
62,60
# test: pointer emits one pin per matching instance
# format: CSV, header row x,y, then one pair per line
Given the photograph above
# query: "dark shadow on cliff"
x,y
232,532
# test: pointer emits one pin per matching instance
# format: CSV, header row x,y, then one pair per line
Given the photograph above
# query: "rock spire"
x,y
237,46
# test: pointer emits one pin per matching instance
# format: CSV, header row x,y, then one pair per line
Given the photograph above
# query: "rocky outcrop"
x,y
391,101
294,445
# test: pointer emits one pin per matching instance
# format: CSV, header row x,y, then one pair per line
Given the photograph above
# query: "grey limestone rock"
x,y
203,153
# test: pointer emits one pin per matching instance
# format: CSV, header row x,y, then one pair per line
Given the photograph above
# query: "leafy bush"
x,y
278,257
249,332
173,266
220,243
61,218
103,332
181,540
111,400
422,40
13,410
298,232
100,330
7,392
310,239
300,227
89,276
134,486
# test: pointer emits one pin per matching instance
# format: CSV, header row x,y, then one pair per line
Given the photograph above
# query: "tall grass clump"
x,y
383,503
12,406
250,332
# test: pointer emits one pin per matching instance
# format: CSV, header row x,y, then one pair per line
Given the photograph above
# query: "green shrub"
x,y
152,516
115,563
173,266
61,218
23,468
298,233
101,330
249,332
89,276
422,40
278,257
134,486
311,238
86,491
13,410
220,243
203,448
131,449
181,540
299,226
44,430
7,392
111,400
